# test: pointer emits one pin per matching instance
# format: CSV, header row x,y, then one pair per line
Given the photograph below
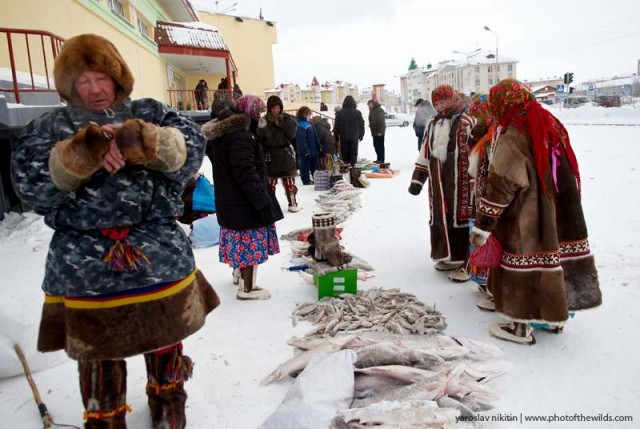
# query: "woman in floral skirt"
x,y
246,206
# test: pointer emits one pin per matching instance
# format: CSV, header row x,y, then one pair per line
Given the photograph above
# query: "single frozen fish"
x,y
389,354
430,389
402,414
300,361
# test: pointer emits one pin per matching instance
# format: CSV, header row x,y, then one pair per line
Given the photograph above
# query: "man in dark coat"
x,y
276,131
349,130
377,126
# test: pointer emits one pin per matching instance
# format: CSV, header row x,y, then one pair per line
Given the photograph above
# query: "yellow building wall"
x,y
251,44
68,18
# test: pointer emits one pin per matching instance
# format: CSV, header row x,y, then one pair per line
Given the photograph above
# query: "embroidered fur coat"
x,y
444,161
547,267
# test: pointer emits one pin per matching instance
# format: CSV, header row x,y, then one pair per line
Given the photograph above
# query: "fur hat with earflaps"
x,y
90,52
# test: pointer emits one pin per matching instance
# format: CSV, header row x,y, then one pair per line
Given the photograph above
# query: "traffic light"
x,y
568,78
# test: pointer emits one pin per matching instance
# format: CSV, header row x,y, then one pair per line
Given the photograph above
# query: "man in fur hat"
x,y
444,160
120,278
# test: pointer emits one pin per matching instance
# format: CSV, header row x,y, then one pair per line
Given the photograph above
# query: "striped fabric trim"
x,y
135,296
574,249
490,208
531,261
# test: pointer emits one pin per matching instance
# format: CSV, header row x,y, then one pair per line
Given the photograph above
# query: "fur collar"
x,y
217,128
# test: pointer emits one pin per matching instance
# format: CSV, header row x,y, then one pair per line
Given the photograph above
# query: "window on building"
x,y
490,81
509,68
171,77
145,28
476,69
118,7
477,83
498,68
489,69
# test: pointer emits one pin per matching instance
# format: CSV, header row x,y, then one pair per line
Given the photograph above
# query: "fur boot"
x,y
249,290
167,370
103,386
327,246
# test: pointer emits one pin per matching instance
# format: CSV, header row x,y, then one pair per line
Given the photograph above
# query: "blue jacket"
x,y
148,201
307,140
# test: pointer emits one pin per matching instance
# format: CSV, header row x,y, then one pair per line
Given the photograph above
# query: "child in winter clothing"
x,y
120,277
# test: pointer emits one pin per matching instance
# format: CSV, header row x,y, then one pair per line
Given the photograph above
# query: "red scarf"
x,y
511,103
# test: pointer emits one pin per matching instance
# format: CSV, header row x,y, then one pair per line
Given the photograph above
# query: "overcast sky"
x,y
373,41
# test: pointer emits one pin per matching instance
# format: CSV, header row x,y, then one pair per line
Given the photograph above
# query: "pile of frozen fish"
x,y
402,380
342,199
386,310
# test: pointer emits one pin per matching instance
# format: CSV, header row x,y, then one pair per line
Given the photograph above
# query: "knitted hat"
x,y
90,52
251,105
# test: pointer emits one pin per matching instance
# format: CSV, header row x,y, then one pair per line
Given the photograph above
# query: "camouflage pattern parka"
x,y
145,200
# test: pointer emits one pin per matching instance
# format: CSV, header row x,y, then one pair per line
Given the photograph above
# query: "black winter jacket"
x,y
244,199
349,125
277,143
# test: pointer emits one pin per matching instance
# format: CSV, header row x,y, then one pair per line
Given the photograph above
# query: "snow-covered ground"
x,y
590,369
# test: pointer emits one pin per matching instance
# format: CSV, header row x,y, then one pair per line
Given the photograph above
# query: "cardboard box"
x,y
336,283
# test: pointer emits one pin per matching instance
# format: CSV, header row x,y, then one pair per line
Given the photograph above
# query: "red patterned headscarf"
x,y
479,109
251,105
512,104
447,95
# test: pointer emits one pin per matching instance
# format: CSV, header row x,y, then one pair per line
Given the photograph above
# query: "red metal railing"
x,y
189,99
39,58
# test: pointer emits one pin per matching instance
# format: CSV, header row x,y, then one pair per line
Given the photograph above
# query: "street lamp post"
x,y
495,72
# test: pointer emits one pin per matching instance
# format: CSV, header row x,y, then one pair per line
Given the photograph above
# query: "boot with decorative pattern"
x,y
167,370
103,387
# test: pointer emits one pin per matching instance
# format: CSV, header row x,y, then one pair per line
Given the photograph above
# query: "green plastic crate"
x,y
336,283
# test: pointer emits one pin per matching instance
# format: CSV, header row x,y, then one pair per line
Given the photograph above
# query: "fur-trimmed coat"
x,y
547,267
135,196
444,161
244,199
277,142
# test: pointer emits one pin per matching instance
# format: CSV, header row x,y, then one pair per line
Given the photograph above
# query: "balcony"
x,y
195,47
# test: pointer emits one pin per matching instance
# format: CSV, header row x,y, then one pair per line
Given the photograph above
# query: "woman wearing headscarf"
x,y
120,278
246,207
531,204
443,160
